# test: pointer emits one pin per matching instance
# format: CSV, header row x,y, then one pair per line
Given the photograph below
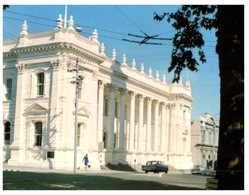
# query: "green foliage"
x,y
188,21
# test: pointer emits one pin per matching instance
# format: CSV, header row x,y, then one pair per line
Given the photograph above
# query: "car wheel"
x,y
146,171
166,172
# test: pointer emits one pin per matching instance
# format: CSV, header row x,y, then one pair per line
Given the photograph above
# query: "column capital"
x,y
132,93
123,91
156,101
140,96
56,64
101,84
148,99
20,68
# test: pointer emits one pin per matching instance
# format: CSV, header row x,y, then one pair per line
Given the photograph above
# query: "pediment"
x,y
83,111
35,109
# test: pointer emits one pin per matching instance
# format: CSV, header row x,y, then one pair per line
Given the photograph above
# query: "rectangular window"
x,y
7,133
9,89
50,154
40,84
38,133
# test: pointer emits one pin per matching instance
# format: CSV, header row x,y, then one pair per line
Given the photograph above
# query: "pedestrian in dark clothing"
x,y
85,161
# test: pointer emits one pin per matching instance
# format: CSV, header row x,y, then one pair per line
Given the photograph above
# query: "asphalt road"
x,y
20,180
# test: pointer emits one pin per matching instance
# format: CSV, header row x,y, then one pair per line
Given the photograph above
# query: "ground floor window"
x,y
38,133
7,133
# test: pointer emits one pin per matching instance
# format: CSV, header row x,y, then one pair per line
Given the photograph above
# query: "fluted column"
x,y
172,127
156,137
148,130
132,120
167,129
100,110
122,119
140,122
18,124
162,145
110,134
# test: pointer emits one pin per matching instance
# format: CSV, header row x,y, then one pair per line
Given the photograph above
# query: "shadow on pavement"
x,y
59,181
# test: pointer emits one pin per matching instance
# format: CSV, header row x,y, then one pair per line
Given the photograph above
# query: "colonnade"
x,y
150,135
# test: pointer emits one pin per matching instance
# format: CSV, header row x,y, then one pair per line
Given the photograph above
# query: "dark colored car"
x,y
155,166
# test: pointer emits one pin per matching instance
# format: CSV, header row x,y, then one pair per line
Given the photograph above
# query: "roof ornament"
x,y
134,64
71,24
94,36
157,76
124,60
142,68
102,49
114,54
150,72
60,22
180,81
164,78
188,86
24,28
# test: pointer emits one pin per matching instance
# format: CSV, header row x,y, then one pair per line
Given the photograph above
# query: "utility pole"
x,y
77,82
76,115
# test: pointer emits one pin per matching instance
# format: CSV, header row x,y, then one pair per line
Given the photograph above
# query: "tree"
x,y
5,7
228,20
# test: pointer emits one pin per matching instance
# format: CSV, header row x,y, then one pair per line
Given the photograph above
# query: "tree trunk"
x,y
230,48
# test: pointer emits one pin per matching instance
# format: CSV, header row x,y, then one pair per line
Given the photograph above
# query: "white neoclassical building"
x,y
124,115
204,142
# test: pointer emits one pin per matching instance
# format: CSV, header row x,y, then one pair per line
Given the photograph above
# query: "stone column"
x,y
53,120
148,130
132,120
172,127
18,126
100,111
163,130
122,119
156,135
167,129
19,129
140,122
110,134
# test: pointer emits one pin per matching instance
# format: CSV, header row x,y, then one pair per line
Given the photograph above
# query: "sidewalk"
x,y
46,170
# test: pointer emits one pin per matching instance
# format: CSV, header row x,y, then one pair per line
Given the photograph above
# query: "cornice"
x,y
53,46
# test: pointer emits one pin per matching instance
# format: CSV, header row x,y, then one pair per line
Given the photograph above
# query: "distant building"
x,y
204,140
124,115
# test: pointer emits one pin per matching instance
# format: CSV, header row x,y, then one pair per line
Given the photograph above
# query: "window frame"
x,y
40,85
38,135
7,141
9,90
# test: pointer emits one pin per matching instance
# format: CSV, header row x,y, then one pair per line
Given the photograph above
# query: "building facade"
x,y
204,141
123,115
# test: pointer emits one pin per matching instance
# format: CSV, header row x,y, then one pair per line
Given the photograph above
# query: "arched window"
x,y
40,84
38,133
7,133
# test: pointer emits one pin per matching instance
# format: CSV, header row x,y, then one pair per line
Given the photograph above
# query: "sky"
x,y
115,22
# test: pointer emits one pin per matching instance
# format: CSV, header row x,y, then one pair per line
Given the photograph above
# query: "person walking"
x,y
85,161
